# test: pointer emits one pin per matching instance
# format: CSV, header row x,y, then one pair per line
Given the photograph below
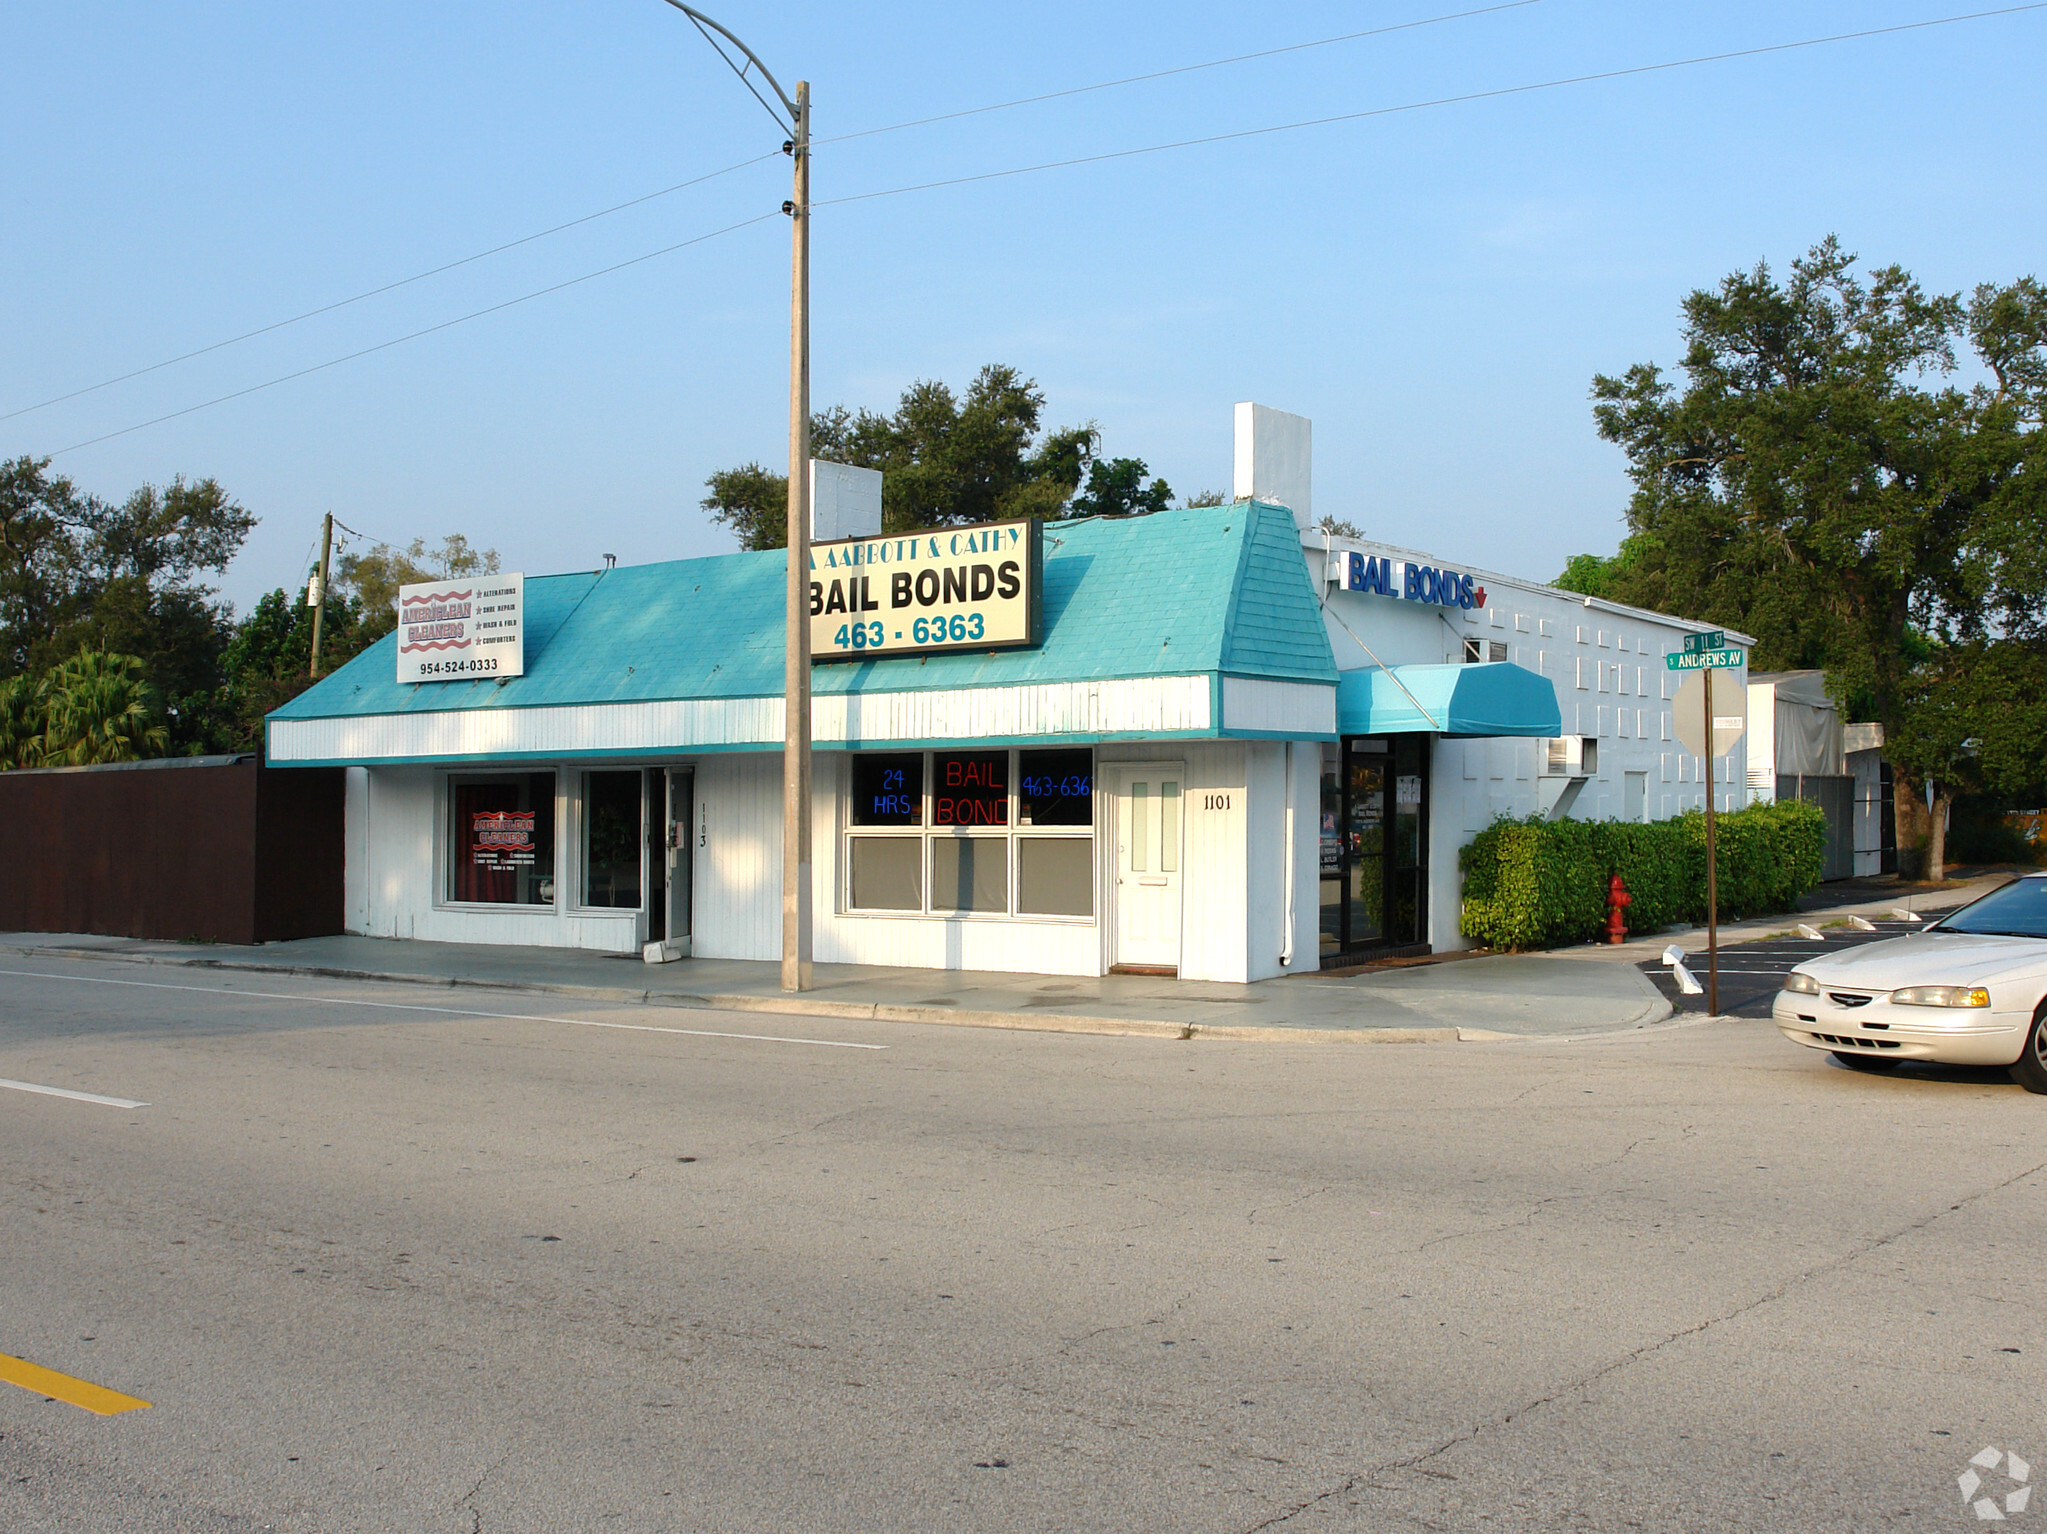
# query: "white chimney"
x,y
1275,457
845,502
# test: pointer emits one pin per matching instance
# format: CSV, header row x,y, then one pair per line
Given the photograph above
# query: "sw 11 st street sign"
x,y
1712,639
1703,660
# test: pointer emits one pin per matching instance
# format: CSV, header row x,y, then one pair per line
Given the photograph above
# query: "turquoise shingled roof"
x,y
1219,589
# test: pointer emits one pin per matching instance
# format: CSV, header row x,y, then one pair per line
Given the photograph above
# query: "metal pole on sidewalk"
x,y
796,865
796,851
1712,872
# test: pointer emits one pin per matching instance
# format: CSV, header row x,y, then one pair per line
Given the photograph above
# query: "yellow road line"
x,y
48,1382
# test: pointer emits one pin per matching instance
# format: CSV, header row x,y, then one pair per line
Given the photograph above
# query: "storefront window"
x,y
501,838
611,839
885,873
970,788
970,873
1055,875
938,833
888,790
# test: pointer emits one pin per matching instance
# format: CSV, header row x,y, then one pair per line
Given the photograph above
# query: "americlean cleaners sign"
x,y
1410,582
967,588
459,630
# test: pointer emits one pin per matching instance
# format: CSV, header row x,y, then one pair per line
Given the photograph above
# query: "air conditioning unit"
x,y
1571,756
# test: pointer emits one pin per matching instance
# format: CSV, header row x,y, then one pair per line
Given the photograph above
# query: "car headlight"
x,y
1804,985
1942,996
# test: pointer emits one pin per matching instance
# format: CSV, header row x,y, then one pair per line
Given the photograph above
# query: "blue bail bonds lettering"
x,y
968,588
1409,582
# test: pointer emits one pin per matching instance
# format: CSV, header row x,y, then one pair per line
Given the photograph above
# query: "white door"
x,y
680,843
1148,820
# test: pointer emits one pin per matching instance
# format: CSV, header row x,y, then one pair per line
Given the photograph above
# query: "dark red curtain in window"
x,y
490,833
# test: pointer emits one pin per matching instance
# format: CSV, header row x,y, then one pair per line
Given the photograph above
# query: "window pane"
x,y
1056,788
970,788
1138,832
887,873
970,873
611,839
1169,827
889,790
501,838
1055,875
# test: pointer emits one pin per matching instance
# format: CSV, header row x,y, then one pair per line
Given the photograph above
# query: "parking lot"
x,y
1752,973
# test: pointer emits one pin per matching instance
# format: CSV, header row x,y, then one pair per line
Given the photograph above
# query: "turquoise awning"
x,y
1496,698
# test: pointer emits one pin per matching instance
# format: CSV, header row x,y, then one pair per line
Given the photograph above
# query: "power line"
x,y
1512,90
389,287
1439,101
1183,69
495,250
475,314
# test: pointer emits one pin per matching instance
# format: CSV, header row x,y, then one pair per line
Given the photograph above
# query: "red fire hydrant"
x,y
1617,900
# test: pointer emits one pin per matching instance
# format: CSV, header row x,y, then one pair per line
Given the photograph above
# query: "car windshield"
x,y
2017,910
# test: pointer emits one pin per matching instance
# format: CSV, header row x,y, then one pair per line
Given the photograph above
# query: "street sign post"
x,y
1710,714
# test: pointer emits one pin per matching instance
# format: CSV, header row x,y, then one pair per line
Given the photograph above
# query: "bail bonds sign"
x,y
966,588
459,629
1404,579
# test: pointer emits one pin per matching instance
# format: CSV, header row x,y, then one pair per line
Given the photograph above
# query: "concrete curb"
x,y
868,1011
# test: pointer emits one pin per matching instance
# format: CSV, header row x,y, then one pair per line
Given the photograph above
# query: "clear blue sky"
x,y
1435,288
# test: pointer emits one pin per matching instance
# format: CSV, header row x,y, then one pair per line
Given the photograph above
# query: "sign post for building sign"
x,y
1710,712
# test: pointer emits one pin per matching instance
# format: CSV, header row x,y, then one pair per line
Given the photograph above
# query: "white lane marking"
x,y
400,1006
80,1097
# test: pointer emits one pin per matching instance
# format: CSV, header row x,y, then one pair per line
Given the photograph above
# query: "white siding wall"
x,y
401,869
736,902
1611,682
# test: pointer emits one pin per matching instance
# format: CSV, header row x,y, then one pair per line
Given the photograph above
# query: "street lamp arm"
x,y
753,62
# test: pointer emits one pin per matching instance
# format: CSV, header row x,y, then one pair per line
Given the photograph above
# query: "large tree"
x,y
1822,481
81,573
946,460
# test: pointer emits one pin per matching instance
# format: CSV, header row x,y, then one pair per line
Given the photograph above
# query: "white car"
x,y
1969,990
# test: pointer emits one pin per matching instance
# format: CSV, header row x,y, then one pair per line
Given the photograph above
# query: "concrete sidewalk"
x,y
1481,999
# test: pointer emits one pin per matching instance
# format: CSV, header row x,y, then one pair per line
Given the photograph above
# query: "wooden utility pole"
x,y
320,589
796,851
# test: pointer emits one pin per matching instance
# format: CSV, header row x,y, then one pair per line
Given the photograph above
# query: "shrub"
x,y
1538,883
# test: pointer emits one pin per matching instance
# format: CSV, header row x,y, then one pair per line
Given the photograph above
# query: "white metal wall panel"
x,y
1300,709
355,866
1143,705
737,897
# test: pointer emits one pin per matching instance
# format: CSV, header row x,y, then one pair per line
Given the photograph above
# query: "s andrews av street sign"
x,y
1703,660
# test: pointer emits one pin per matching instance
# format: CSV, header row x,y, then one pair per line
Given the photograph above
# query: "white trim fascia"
x,y
1303,709
1139,705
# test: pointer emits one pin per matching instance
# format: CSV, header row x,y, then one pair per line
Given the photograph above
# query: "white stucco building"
x,y
1227,746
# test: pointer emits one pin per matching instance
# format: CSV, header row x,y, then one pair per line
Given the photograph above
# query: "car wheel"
x,y
2031,1070
1861,1062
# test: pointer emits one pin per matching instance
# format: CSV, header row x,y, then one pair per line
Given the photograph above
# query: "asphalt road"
x,y
419,1270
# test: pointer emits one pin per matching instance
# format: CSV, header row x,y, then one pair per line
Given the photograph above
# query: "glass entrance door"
x,y
1373,845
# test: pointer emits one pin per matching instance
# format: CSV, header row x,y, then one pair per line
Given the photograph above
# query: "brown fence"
x,y
219,849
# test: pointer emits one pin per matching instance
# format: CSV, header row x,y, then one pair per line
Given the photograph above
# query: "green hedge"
x,y
1539,883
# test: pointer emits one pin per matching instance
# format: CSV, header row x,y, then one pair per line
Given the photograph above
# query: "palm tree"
x,y
24,716
101,710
